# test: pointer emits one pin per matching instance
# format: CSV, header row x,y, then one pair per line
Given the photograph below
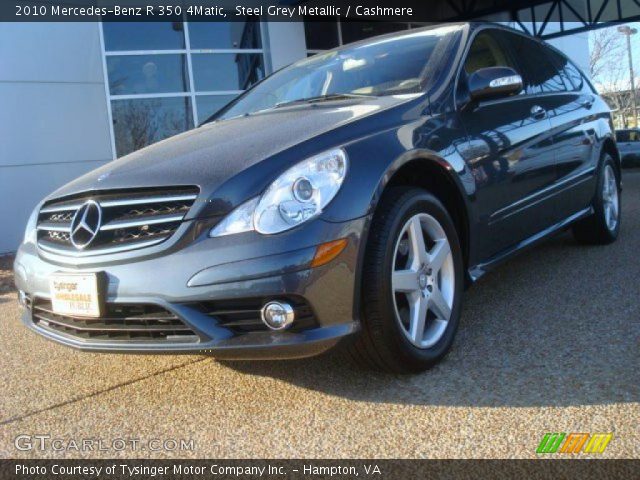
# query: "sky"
x,y
635,53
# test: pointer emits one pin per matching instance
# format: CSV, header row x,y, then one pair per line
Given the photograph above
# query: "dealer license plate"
x,y
75,294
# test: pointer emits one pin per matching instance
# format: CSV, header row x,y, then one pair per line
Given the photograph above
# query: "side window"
x,y
622,136
634,136
542,75
486,51
575,76
561,63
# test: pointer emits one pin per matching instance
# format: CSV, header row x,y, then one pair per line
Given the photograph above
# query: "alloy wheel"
x,y
423,280
610,199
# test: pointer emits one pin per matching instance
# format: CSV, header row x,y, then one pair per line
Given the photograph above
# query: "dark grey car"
x,y
348,197
628,141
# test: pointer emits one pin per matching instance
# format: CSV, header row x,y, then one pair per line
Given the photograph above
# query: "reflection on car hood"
x,y
210,155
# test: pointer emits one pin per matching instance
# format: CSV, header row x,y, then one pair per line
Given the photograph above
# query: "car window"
x,y
542,76
622,136
628,136
561,64
576,78
486,51
384,66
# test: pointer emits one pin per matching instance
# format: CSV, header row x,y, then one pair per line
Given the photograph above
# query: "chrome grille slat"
x,y
61,208
72,252
127,220
148,220
54,227
140,201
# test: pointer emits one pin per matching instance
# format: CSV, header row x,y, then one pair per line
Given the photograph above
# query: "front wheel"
x,y
603,226
412,284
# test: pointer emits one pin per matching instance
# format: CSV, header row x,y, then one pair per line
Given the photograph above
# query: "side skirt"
x,y
479,270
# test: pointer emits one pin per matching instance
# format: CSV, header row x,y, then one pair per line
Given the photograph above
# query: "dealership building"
x,y
75,96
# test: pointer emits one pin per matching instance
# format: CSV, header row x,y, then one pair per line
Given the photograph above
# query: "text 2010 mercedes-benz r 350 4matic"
x,y
347,198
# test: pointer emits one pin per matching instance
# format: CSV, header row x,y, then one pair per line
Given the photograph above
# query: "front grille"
x,y
128,219
120,322
243,316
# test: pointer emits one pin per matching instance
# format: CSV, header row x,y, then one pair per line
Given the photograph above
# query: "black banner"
x,y
419,11
318,469
222,10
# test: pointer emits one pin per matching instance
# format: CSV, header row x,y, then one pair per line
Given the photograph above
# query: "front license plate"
x,y
75,294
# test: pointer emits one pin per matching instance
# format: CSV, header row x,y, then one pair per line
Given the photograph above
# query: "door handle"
x,y
587,102
538,112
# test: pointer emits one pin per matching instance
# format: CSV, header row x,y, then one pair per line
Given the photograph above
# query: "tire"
x,y
389,340
599,229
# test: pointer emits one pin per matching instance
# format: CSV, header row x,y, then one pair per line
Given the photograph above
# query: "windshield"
x,y
386,66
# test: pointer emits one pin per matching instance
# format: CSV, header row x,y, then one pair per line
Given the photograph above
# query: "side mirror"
x,y
494,82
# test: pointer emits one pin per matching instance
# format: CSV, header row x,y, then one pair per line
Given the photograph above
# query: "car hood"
x,y
210,155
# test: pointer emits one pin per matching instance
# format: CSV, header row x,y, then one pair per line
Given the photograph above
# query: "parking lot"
x,y
549,342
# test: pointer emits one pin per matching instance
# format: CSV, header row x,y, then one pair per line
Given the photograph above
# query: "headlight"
x,y
30,232
238,221
299,194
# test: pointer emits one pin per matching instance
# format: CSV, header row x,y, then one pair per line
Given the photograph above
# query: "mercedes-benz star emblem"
x,y
86,224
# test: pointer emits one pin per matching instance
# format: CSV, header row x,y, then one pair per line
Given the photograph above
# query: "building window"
x,y
226,71
142,121
321,36
166,77
143,35
140,74
242,35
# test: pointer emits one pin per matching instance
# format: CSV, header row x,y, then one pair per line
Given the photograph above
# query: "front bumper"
x,y
244,267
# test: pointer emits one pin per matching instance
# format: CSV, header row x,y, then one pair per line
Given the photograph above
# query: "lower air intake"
x,y
120,322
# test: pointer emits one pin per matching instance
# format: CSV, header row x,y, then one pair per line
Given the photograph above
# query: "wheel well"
x,y
432,177
609,146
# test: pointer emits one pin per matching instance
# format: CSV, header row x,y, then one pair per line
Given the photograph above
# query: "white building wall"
x,y
53,118
286,43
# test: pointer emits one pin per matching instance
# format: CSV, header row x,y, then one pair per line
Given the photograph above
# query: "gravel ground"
x,y
548,342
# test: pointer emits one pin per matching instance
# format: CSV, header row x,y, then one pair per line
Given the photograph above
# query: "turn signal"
x,y
328,251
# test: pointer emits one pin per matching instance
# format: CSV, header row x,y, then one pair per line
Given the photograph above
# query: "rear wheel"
x,y
412,284
604,225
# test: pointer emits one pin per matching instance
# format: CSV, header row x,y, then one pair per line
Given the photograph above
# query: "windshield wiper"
x,y
324,98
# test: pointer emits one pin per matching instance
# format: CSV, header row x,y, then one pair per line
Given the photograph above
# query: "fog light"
x,y
277,315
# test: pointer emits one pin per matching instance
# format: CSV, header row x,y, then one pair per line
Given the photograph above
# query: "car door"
x,y
510,150
574,124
